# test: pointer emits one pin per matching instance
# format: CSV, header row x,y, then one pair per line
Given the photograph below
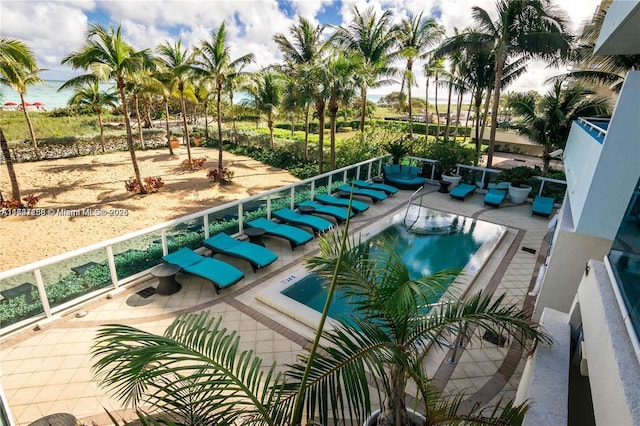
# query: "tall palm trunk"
x,y
485,115
409,67
363,112
458,112
448,122
494,108
466,122
478,103
270,126
99,114
333,113
36,151
307,113
136,104
165,102
15,189
426,110
219,112
437,109
127,125
320,105
185,129
233,118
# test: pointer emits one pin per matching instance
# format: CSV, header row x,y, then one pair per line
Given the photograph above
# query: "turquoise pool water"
x,y
429,243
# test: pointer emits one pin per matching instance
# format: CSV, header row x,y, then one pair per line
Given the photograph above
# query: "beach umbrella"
x,y
10,103
37,103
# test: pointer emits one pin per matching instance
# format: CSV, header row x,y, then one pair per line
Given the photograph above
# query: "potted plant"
x,y
174,142
197,137
448,154
518,178
398,148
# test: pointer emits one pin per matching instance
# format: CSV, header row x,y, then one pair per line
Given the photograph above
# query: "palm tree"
x,y
434,68
90,94
303,48
238,79
19,77
110,57
13,54
178,62
374,39
214,62
415,34
522,30
196,370
267,95
341,86
548,122
163,88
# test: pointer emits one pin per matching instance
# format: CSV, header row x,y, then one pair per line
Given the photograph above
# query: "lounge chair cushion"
x,y
295,236
542,206
318,224
461,191
403,176
363,192
339,213
356,205
258,256
387,189
220,273
495,197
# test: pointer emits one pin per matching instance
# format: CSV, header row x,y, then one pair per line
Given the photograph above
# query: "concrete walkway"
x,y
48,371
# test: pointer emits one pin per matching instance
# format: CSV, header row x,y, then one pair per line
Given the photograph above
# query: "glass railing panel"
x,y
187,234
225,220
19,299
554,190
137,254
302,193
281,199
75,277
626,268
337,179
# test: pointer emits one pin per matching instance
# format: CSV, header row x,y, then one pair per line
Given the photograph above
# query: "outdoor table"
x,y
255,235
165,274
306,209
444,186
58,419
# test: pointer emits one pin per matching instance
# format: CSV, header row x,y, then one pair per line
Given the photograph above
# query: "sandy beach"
x,y
97,182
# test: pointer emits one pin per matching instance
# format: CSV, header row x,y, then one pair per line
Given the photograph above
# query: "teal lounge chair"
x,y
295,236
338,213
542,206
356,206
461,191
387,189
362,192
220,273
256,255
316,223
495,197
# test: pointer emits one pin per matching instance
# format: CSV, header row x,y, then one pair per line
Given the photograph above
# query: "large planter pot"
x,y
197,141
174,143
416,418
518,195
454,179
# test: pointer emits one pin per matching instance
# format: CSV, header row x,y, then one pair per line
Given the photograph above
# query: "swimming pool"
x,y
428,241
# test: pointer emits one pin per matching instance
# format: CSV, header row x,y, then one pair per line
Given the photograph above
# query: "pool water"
x,y
431,243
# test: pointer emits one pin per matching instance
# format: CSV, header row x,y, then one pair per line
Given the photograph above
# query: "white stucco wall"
x,y
614,371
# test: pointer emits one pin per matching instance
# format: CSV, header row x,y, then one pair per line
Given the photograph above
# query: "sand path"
x,y
97,182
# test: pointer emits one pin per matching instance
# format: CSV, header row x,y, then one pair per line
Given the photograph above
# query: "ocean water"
x,y
46,93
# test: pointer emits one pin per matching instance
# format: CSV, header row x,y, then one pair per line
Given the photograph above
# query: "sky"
x,y
54,28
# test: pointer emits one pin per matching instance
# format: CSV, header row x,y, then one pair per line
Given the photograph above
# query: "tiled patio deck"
x,y
48,371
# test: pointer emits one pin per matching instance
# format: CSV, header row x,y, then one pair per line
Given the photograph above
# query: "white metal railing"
x,y
599,130
365,169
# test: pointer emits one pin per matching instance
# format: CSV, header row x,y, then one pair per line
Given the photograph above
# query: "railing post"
x,y
42,292
329,184
369,171
313,190
293,196
269,206
240,217
541,186
205,222
112,266
433,170
344,176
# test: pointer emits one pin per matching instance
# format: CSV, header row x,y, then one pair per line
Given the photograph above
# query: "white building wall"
x,y
614,371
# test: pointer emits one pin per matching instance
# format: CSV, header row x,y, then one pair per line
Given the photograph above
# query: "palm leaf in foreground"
x,y
194,370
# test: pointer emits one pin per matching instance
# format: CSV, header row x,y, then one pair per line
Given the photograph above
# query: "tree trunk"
x,y
137,106
409,66
447,127
486,115
307,113
166,123
333,113
320,105
34,143
218,110
185,129
426,110
99,113
127,125
466,122
233,119
15,189
270,126
363,113
437,110
494,109
458,112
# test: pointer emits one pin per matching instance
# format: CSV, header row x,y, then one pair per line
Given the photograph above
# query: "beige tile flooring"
x,y
48,371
